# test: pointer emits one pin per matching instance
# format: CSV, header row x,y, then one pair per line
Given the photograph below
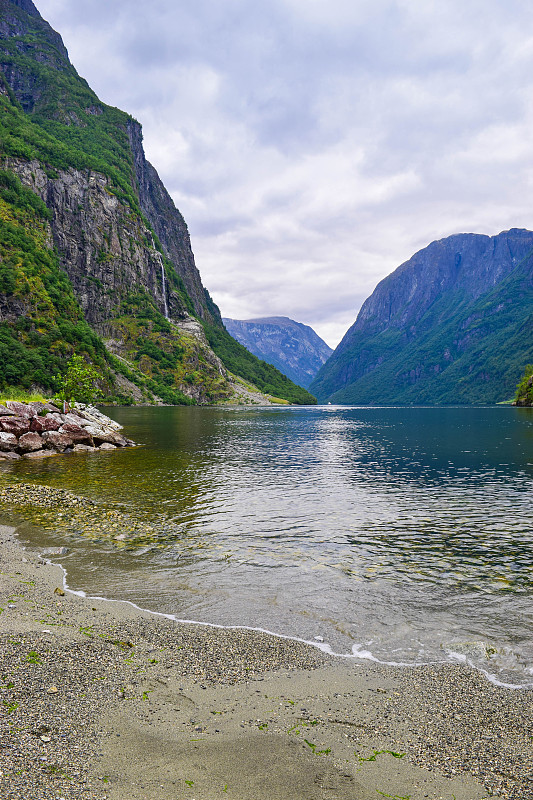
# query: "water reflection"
x,y
406,531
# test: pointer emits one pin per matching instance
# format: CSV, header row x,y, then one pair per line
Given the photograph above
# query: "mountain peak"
x,y
451,325
294,348
27,6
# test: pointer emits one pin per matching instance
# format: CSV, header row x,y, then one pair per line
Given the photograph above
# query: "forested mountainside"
x,y
524,390
454,324
94,256
294,348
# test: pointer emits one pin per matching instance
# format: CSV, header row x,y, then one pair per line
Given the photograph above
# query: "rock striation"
x,y
294,348
37,430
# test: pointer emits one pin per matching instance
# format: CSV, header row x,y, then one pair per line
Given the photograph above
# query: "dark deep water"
x,y
404,534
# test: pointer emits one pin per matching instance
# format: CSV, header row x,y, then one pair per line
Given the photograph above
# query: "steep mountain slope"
x,y
295,349
454,324
110,231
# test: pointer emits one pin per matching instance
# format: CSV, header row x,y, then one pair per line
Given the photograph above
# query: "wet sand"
x,y
101,700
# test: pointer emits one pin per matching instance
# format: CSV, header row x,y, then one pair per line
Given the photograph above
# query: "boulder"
x,y
10,456
73,418
101,435
29,442
5,412
52,408
8,442
20,409
40,454
15,425
37,407
54,440
52,422
107,446
84,448
78,434
94,416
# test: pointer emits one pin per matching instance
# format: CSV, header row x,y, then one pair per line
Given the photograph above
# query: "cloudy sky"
x,y
314,145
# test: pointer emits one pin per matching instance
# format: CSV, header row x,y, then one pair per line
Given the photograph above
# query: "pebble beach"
x,y
100,700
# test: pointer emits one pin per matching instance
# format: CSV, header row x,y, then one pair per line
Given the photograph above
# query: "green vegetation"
x,y
66,124
164,356
524,390
42,321
22,397
78,384
462,352
60,123
266,377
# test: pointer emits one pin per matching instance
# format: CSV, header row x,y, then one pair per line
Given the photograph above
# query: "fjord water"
x,y
402,534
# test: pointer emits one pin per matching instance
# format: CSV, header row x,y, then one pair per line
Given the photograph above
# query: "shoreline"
x,y
104,701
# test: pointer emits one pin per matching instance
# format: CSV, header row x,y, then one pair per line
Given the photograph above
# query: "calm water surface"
x,y
399,534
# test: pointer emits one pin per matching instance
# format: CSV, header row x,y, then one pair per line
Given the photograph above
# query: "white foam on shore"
x,y
357,654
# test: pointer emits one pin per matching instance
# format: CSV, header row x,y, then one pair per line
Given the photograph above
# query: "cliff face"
x,y
32,55
107,224
169,225
453,324
295,349
102,247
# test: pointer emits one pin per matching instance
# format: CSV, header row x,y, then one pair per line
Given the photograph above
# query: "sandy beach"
x,y
101,700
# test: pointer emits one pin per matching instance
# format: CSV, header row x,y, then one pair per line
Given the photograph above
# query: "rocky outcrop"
x,y
169,225
106,251
106,221
454,324
37,430
295,349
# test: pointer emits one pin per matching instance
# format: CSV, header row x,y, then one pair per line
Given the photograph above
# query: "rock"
x,y
73,418
8,441
16,425
29,442
59,591
10,456
100,435
78,434
54,440
52,690
37,407
20,409
107,446
5,412
84,448
52,422
52,408
292,347
96,417
40,454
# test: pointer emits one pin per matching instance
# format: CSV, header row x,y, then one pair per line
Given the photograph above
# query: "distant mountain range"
x,y
295,349
454,324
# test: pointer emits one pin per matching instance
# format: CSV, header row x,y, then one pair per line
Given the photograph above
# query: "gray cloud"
x,y
314,145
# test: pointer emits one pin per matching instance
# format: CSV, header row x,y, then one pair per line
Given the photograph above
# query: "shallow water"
x,y
399,534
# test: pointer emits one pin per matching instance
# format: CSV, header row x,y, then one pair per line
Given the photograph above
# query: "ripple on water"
x,y
403,532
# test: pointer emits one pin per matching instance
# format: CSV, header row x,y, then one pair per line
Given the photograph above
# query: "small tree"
x,y
78,382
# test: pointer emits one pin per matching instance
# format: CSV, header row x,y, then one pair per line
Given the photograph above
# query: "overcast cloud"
x,y
314,145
